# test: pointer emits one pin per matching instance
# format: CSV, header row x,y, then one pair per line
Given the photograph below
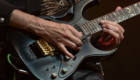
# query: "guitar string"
x,y
96,27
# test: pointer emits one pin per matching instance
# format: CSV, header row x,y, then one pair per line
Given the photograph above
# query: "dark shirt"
x,y
7,6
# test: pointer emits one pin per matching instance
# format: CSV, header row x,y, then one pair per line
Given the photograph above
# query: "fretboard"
x,y
93,26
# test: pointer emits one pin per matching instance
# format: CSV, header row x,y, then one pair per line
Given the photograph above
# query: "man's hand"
x,y
60,35
113,34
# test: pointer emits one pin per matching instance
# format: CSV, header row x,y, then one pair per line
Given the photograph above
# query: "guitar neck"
x,y
93,26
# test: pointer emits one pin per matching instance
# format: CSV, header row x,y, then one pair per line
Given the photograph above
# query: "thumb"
x,y
118,8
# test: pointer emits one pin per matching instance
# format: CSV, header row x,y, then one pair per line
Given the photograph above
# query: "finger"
x,y
71,45
73,39
75,32
121,37
118,8
115,43
64,50
115,29
112,23
113,34
106,37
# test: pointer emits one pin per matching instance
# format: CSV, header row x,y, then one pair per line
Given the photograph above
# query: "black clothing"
x,y
29,6
91,72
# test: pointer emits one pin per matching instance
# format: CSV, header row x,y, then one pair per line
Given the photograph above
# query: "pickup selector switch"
x,y
64,70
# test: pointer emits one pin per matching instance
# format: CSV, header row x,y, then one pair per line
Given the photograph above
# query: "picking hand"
x,y
61,35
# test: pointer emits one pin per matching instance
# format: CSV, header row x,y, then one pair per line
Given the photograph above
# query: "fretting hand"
x,y
113,34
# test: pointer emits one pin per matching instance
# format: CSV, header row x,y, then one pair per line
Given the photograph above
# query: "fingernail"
x,y
102,21
72,57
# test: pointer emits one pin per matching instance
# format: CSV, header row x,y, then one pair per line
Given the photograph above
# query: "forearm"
x,y
25,21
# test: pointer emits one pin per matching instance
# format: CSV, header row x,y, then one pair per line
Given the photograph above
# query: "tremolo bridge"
x,y
42,48
47,48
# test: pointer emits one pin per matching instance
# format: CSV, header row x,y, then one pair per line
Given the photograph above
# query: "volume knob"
x,y
64,70
66,58
54,75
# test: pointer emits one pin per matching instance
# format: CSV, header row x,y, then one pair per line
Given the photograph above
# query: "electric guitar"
x,y
41,58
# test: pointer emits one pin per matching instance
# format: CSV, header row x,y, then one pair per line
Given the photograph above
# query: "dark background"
x,y
125,64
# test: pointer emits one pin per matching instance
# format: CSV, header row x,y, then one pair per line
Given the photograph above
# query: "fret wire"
x,y
97,22
123,16
117,16
126,12
94,23
91,27
132,11
85,28
122,13
106,18
114,16
79,29
110,17
86,24
120,16
136,5
102,18
135,9
129,11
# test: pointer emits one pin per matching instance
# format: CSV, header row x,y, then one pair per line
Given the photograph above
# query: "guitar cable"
x,y
16,69
8,58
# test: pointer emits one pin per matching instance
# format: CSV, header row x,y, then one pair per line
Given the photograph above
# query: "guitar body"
x,y
44,67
